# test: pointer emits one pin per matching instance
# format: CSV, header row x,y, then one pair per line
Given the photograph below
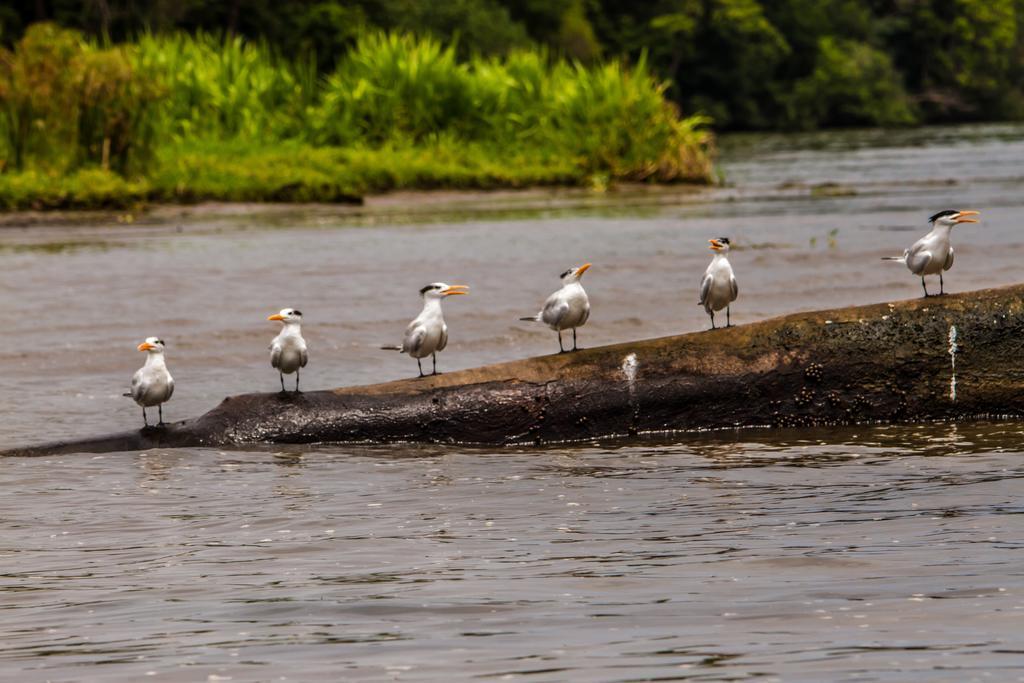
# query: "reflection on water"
x,y
59,247
868,553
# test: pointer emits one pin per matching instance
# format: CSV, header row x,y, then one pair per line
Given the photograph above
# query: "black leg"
x,y
145,420
435,362
924,286
941,290
561,349
420,366
281,375
574,339
297,381
712,314
728,322
160,410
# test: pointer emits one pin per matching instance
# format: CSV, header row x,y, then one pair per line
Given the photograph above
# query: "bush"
x,y
36,94
116,105
65,103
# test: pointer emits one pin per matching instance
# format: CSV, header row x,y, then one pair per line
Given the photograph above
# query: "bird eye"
x,y
565,273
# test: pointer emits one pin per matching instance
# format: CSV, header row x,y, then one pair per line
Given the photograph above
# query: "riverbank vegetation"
x,y
180,117
748,64
113,101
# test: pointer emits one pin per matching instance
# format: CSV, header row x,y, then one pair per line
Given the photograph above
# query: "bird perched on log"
x,y
567,308
288,349
427,333
933,253
152,385
718,288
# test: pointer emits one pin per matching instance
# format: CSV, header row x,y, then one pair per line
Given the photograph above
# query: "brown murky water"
x,y
869,554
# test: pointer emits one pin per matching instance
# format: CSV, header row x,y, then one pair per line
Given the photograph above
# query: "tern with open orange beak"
x,y
152,385
427,333
566,309
718,287
933,253
288,349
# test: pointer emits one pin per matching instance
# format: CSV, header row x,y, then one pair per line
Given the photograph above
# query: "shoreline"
x,y
396,203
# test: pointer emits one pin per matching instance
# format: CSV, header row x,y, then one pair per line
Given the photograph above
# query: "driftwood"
x,y
942,358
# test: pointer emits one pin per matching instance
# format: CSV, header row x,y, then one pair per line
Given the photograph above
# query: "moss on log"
x,y
941,358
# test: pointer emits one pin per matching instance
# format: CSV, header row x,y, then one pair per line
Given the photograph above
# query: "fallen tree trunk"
x,y
950,357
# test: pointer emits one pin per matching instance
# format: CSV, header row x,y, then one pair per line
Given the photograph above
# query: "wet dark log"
x,y
952,357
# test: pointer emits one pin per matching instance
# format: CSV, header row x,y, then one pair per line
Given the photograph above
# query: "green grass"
x,y
87,188
300,172
189,118
293,172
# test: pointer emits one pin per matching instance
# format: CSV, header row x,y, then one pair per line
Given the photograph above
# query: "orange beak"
x,y
146,346
964,217
276,316
715,245
582,269
456,289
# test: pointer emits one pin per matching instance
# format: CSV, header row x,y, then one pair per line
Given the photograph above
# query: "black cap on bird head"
x,y
943,214
574,274
955,216
443,290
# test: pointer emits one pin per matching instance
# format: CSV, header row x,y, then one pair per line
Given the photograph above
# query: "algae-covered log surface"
x,y
949,357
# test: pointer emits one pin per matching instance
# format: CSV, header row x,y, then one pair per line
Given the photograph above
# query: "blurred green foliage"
x,y
852,83
746,63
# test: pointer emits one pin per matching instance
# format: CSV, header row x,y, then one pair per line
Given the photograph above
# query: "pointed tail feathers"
x,y
901,259
391,347
127,393
532,318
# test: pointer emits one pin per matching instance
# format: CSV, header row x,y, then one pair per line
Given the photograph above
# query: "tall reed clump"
x,y
608,119
617,121
393,87
226,88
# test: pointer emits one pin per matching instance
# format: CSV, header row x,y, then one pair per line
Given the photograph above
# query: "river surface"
x,y
868,554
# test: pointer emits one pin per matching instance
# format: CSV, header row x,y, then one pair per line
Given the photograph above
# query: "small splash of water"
x,y
952,362
629,366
